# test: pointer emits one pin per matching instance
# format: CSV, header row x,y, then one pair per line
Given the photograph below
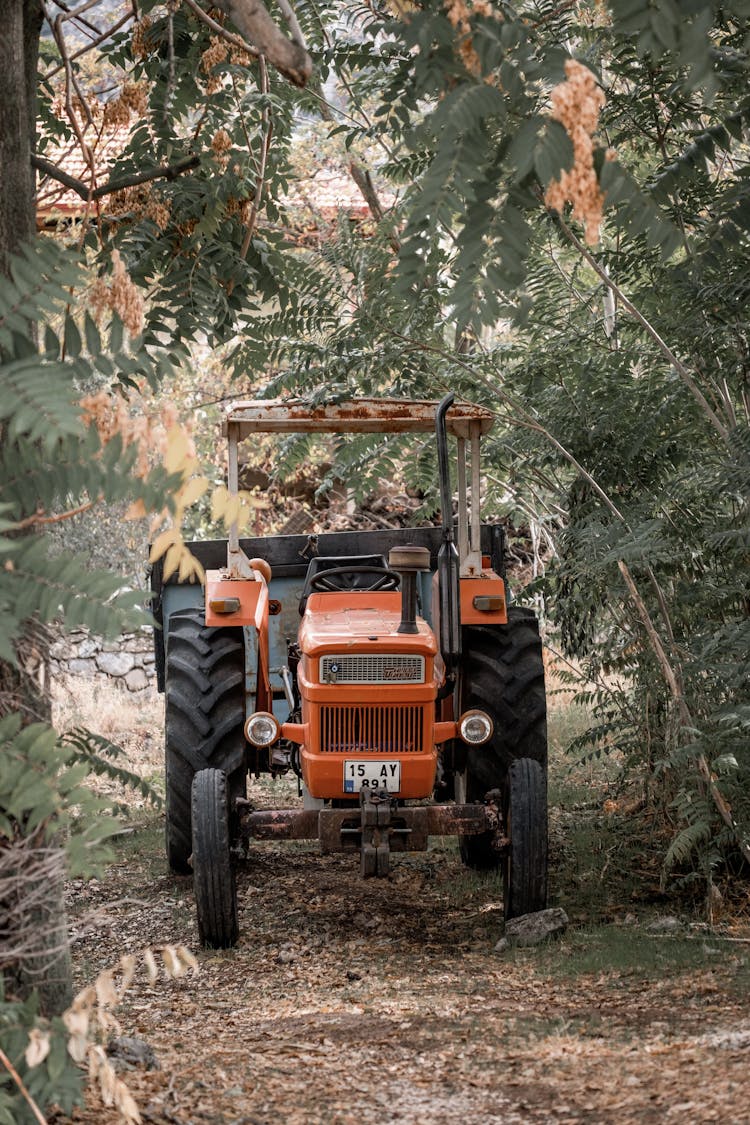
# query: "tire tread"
x,y
205,714
504,676
525,866
213,875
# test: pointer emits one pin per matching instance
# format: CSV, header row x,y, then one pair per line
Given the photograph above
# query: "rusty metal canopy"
x,y
362,416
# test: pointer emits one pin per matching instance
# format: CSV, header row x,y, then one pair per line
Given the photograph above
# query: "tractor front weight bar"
x,y
378,827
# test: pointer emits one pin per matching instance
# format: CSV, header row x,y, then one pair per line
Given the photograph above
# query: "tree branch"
x,y
79,19
361,176
260,180
40,518
233,40
90,46
24,1092
290,16
265,144
683,711
256,26
163,172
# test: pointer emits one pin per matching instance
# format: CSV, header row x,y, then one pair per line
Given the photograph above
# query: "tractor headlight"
x,y
475,727
262,729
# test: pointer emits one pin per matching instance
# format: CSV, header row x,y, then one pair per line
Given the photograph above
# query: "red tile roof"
x,y
320,197
53,199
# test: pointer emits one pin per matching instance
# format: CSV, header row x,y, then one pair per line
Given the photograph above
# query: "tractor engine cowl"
x,y
368,697
368,691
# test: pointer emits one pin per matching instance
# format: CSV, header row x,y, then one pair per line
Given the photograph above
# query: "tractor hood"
x,y
361,622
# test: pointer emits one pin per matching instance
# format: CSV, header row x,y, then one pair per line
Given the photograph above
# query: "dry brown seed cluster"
x,y
118,295
215,53
186,229
220,145
240,207
115,415
158,209
459,16
133,99
143,202
576,104
238,56
141,44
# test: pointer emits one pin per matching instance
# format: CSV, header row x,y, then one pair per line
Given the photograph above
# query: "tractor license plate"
x,y
372,775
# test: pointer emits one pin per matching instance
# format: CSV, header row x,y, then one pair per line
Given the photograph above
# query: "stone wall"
x,y
127,661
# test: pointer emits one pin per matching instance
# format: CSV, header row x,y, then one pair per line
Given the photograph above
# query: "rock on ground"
x,y
129,1052
532,929
666,925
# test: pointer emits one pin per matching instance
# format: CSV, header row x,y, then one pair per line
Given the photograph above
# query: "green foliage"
x,y
42,789
53,1080
50,460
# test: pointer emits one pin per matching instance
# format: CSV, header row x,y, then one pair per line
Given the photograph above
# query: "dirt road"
x,y
356,1003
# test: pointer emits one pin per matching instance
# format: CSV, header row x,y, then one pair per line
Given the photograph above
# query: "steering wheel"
x,y
334,581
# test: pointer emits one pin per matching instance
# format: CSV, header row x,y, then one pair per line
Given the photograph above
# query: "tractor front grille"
x,y
364,729
375,668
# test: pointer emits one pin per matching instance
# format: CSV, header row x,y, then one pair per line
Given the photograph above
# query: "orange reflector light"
x,y
489,604
224,605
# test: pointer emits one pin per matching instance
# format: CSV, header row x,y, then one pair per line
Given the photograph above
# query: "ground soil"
x,y
356,1002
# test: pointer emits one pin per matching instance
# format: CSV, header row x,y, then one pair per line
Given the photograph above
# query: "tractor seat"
x,y
354,580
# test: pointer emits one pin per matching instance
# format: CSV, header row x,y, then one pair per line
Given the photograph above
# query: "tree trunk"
x,y
21,23
23,687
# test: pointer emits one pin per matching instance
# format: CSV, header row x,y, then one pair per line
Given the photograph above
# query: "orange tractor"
x,y
384,668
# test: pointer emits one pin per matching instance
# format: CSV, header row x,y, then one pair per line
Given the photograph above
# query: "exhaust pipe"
x,y
408,562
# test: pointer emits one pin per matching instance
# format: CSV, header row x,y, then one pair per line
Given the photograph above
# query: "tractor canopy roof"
x,y
362,416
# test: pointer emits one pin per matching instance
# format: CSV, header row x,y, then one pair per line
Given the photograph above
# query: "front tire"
x,y
213,875
205,715
525,861
503,674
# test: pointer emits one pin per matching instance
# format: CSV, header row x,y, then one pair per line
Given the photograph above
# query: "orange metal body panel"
x,y
247,590
488,584
323,774
264,694
361,621
367,722
253,597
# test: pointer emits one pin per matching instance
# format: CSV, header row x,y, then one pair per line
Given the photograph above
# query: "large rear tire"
x,y
205,715
503,674
213,876
525,818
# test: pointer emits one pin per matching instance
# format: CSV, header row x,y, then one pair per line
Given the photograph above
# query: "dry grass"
x,y
101,705
134,722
